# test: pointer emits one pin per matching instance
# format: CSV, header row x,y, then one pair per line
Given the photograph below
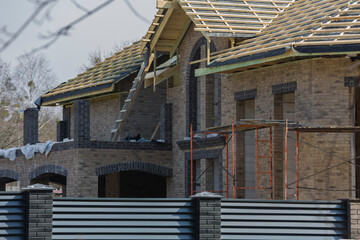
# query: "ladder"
x,y
269,157
125,110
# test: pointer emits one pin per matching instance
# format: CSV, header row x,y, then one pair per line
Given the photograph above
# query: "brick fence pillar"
x,y
353,218
82,120
208,216
38,212
31,126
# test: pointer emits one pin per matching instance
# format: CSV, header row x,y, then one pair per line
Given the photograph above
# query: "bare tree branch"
x,y
141,17
80,6
41,6
64,30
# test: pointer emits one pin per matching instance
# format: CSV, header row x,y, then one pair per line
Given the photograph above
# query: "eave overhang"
x,y
276,56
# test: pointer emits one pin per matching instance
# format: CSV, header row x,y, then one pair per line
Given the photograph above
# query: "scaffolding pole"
x,y
234,162
191,160
286,159
297,165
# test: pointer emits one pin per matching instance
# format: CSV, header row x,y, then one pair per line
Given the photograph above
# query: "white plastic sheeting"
x,y
29,150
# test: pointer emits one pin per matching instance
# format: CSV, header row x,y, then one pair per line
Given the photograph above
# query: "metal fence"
x,y
12,226
252,219
100,218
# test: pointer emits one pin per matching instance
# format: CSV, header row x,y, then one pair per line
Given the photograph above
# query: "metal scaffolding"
x,y
230,131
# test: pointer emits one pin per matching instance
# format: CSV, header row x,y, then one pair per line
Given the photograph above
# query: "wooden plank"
x,y
160,29
163,4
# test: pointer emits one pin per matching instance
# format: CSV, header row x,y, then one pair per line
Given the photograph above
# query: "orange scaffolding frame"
x,y
309,129
256,124
231,130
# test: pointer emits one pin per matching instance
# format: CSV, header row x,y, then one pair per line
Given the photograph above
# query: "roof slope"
x,y
103,74
233,18
304,23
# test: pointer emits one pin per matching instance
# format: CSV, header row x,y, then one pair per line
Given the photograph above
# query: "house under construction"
x,y
251,99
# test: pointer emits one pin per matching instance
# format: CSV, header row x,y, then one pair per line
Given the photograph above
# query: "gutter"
x,y
286,53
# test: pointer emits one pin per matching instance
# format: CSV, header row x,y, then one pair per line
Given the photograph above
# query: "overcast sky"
x,y
113,24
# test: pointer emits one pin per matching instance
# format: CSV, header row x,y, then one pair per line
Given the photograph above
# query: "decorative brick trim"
x,y
166,122
135,166
63,146
245,95
67,119
202,143
353,81
5,173
48,168
284,88
201,154
61,131
191,84
31,126
82,120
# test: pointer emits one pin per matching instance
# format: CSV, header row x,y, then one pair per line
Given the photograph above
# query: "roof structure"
x,y
213,18
101,77
233,18
306,26
167,29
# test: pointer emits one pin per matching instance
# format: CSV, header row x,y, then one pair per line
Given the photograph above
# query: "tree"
x,y
32,77
9,118
98,55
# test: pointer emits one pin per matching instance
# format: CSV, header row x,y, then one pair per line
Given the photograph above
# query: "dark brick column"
x,y
61,131
31,126
38,213
82,120
166,122
67,119
208,216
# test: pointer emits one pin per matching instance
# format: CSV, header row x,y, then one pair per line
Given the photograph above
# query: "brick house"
x,y
295,60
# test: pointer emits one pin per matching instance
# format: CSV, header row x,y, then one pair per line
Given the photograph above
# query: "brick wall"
x,y
103,114
320,98
145,113
81,164
177,96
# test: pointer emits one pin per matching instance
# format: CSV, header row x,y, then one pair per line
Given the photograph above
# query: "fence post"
x,y
38,211
353,209
208,216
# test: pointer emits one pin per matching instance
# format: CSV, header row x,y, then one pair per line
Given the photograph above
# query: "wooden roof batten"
x,y
305,23
104,74
231,18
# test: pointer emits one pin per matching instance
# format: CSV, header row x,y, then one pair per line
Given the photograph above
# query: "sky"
x,y
114,24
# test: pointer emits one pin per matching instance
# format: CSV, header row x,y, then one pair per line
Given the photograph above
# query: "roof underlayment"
x,y
102,76
305,23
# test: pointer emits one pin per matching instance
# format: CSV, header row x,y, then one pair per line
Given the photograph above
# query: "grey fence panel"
x,y
12,216
123,219
291,220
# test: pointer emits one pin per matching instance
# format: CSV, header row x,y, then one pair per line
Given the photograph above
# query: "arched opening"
x,y
9,180
9,184
54,180
132,184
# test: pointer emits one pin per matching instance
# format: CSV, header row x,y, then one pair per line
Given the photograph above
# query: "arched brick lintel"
x,y
48,168
135,166
5,173
191,86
